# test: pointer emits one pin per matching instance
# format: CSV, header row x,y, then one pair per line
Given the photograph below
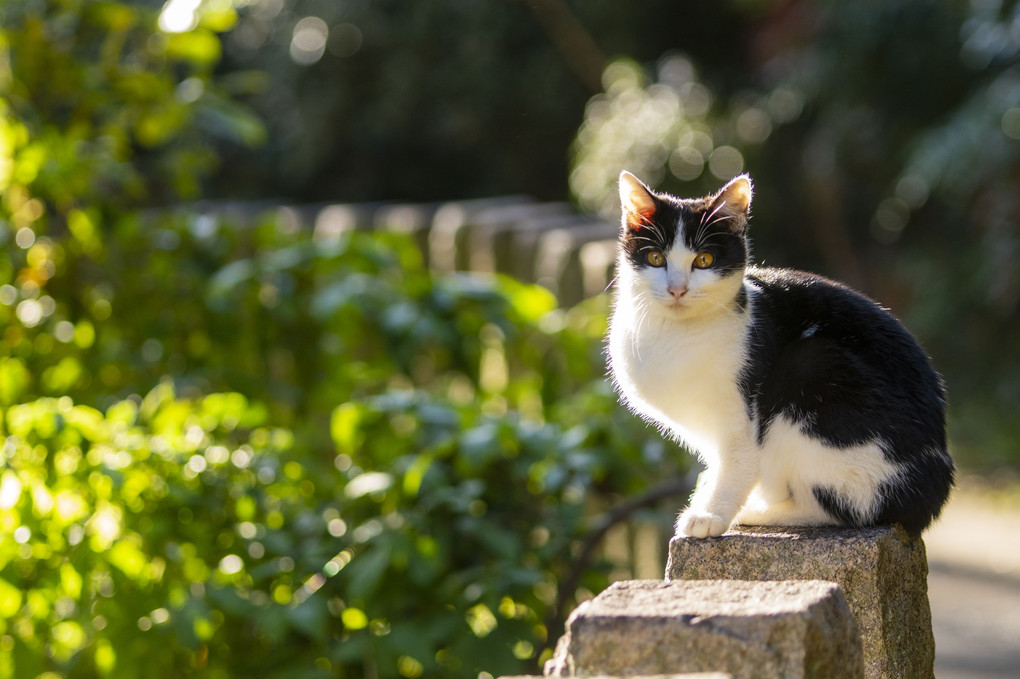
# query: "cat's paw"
x,y
694,523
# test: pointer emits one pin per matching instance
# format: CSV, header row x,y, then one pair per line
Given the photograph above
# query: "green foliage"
x,y
339,465
410,511
172,535
102,110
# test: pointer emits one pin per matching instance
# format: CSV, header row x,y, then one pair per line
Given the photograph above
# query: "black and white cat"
x,y
807,402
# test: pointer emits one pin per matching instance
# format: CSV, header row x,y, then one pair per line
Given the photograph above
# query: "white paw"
x,y
700,524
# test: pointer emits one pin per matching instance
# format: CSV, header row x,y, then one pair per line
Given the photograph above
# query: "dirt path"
x,y
974,584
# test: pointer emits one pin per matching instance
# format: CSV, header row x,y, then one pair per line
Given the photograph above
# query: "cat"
x,y
806,401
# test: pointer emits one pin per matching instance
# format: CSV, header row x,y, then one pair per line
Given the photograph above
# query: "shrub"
x,y
404,480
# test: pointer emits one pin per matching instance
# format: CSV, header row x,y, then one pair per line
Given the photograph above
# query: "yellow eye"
x,y
656,258
703,260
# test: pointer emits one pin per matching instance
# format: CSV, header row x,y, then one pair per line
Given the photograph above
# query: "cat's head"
x,y
683,257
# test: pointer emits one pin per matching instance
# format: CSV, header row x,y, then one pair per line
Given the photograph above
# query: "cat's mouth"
x,y
676,304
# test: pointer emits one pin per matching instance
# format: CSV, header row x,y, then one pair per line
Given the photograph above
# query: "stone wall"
x,y
546,243
883,573
764,602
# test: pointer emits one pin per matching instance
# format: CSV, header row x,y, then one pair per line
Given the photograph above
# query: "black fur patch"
x,y
703,232
848,373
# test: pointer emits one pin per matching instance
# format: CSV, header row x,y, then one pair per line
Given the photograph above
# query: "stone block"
x,y
685,675
882,571
750,630
491,241
598,265
450,232
557,258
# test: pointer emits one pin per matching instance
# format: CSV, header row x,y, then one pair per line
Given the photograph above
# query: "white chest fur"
x,y
683,373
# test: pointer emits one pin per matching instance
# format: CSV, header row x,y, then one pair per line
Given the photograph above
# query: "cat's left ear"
x,y
636,200
733,202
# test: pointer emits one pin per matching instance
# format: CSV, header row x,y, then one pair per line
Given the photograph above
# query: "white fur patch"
x,y
680,373
793,464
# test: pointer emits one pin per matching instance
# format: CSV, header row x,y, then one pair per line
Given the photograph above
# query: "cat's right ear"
x,y
636,200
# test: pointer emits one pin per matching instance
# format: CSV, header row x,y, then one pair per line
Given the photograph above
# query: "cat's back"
x,y
823,351
790,297
798,311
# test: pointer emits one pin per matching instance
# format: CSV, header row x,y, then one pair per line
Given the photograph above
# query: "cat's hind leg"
x,y
788,512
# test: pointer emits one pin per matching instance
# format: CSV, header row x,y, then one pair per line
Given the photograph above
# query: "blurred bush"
x,y
242,450
410,510
108,106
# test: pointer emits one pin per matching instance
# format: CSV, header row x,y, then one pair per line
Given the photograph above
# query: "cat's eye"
x,y
655,258
703,260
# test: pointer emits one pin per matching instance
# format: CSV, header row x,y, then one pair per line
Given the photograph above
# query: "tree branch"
x,y
601,525
572,40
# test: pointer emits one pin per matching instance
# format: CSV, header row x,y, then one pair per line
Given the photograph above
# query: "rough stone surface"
x,y
685,675
752,630
882,571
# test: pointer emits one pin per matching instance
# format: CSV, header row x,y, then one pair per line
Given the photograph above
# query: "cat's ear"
x,y
636,200
733,202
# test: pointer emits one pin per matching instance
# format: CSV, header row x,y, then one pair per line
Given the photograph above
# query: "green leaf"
x,y
14,380
532,302
310,617
70,581
126,556
199,46
64,376
10,600
415,474
344,428
366,571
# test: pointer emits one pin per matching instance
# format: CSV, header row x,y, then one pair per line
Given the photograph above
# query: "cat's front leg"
x,y
694,523
722,489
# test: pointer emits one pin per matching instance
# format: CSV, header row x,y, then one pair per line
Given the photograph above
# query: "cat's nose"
x,y
678,292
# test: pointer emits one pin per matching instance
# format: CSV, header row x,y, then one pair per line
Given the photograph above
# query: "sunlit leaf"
x,y
217,15
10,489
105,656
344,427
62,377
10,599
354,619
68,637
532,302
415,474
14,379
70,580
88,421
367,483
199,46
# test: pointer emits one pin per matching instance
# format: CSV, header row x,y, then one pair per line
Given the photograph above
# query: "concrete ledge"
x,y
750,630
882,571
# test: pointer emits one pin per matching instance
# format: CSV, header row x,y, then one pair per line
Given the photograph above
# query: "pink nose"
x,y
678,292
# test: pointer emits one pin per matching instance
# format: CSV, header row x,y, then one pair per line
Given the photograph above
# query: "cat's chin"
x,y
679,308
